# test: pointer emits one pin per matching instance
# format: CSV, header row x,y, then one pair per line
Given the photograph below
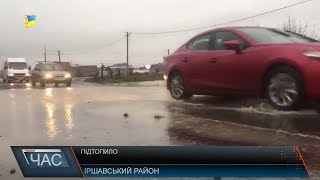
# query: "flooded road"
x,y
90,114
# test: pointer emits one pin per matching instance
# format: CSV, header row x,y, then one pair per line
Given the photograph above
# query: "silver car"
x,y
50,73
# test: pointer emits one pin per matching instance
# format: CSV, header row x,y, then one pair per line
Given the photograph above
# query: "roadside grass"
x,y
131,78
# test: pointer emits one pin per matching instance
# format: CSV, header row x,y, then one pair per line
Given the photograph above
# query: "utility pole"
x,y
59,56
45,53
168,52
127,35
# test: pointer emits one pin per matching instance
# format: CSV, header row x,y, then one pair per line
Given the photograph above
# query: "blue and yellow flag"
x,y
30,20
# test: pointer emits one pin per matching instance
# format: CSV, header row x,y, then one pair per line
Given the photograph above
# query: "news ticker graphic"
x,y
160,161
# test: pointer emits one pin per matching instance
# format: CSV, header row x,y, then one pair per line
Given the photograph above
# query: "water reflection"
x,y
12,95
48,92
68,117
58,113
13,107
51,122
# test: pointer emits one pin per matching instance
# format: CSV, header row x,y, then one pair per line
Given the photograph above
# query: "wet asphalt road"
x,y
92,114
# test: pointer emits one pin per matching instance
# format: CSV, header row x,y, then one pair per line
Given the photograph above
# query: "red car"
x,y
247,61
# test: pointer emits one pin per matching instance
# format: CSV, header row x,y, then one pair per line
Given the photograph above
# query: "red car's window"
x,y
223,36
268,36
214,41
200,43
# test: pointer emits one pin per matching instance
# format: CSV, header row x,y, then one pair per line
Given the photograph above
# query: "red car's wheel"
x,y
177,88
284,88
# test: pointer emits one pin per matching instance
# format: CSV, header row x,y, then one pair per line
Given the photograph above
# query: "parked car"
x,y
15,70
247,61
47,73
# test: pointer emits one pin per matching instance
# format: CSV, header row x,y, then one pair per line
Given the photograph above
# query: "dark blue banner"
x,y
194,171
160,161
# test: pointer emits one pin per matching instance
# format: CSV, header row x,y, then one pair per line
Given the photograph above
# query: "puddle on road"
x,y
305,123
231,122
200,124
145,123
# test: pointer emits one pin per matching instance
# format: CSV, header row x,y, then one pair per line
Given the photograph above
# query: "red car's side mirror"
x,y
232,45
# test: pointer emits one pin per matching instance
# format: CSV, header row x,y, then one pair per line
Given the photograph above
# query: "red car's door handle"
x,y
185,60
213,60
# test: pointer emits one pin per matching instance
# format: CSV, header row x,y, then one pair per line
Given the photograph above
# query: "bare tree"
x,y
300,28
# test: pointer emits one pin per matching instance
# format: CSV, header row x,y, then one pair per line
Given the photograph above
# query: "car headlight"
x,y
27,74
10,74
68,75
48,76
165,77
312,54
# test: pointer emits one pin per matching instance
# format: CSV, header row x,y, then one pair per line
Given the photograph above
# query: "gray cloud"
x,y
85,26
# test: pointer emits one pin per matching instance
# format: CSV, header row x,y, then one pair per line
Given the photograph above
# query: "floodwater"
x,y
90,114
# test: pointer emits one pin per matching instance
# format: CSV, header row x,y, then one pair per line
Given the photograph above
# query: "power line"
x,y
228,22
107,45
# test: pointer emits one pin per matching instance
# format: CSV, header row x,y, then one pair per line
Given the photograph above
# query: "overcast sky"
x,y
82,28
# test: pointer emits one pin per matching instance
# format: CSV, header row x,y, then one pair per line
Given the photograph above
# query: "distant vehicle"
x,y
47,73
15,69
247,61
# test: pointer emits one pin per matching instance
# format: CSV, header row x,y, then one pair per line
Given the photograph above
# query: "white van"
x,y
15,69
